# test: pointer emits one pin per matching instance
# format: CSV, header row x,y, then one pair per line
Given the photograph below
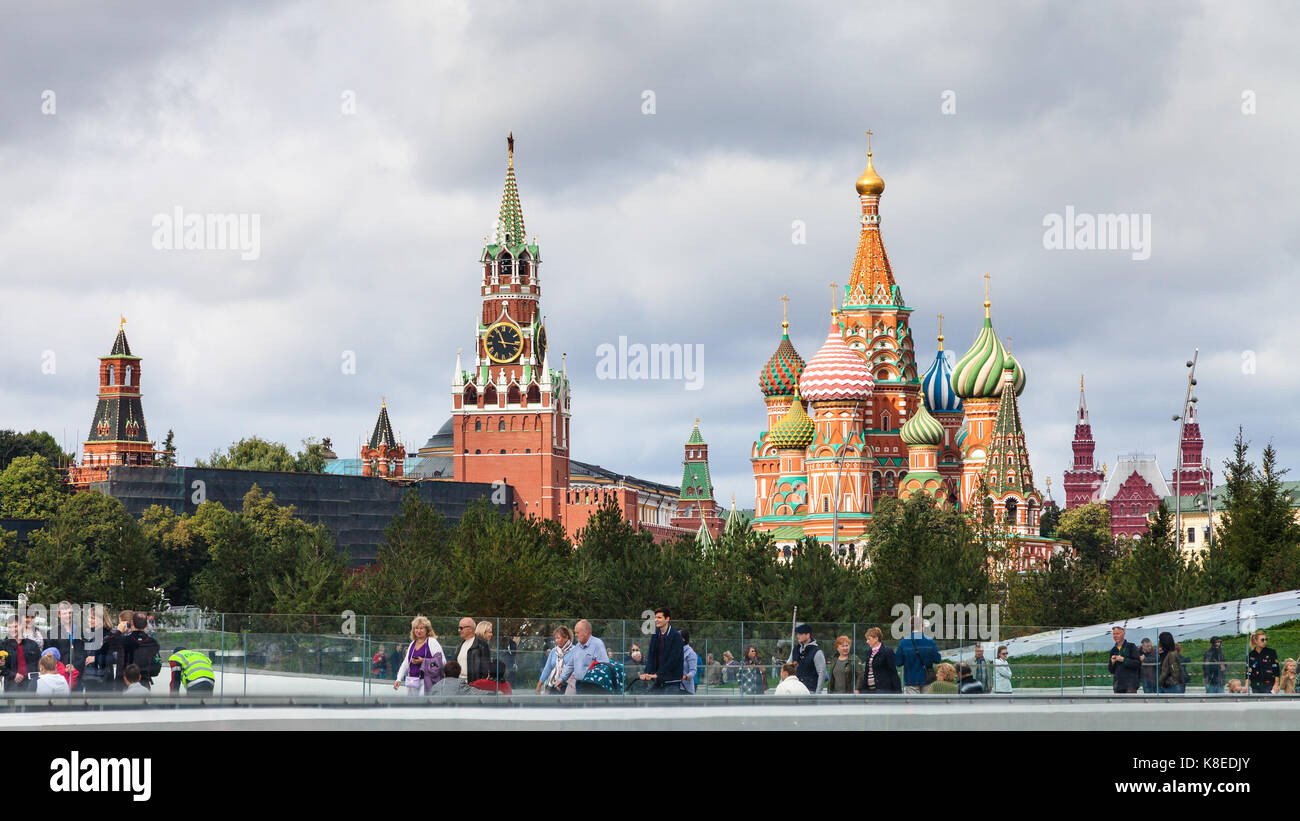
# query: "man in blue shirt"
x,y
916,654
690,664
587,650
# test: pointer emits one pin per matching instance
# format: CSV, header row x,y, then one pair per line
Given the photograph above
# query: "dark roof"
x,y
383,434
442,439
120,348
580,469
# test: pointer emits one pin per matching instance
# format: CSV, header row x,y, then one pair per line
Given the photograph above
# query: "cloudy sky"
x,y
369,141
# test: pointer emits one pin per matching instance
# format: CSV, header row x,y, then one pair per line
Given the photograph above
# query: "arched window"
x,y
1011,511
505,266
512,395
503,450
111,375
477,451
528,450
490,395
884,421
534,395
471,395
501,425
129,372
478,424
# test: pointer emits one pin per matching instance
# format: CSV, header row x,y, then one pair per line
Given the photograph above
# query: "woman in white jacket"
x,y
1001,672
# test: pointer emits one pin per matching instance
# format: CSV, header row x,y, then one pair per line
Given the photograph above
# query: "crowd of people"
x,y
578,662
1162,668
92,658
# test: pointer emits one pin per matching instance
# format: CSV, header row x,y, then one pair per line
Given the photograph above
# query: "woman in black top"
x,y
1262,663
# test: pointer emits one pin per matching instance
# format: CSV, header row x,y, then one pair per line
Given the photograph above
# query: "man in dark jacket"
x,y
810,658
1215,666
664,662
966,682
474,654
142,650
880,673
1125,663
22,656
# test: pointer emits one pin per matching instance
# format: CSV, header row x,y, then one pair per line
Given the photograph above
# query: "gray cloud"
x,y
666,228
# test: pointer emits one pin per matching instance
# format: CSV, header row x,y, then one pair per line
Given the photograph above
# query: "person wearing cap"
x,y
810,660
193,669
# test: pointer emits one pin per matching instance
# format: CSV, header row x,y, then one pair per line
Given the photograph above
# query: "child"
x,y
133,685
790,685
49,682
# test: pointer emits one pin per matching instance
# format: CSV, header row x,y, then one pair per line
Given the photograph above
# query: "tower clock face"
x,y
541,344
503,342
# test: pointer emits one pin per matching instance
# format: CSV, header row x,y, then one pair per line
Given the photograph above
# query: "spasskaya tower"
x,y
510,410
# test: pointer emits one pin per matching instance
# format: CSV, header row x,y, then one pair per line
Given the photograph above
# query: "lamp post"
x,y
835,505
1181,419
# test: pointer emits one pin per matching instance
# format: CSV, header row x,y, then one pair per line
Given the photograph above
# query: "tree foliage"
x,y
1087,529
255,453
32,443
30,488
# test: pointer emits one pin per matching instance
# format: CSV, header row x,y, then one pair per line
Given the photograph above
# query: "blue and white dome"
x,y
936,386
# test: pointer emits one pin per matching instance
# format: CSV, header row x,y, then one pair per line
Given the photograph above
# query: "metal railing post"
x,y
223,656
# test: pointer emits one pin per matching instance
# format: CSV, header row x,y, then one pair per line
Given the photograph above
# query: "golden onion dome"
x,y
870,184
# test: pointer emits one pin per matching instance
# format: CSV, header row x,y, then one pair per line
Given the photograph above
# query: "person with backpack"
x,y
1171,668
917,654
142,650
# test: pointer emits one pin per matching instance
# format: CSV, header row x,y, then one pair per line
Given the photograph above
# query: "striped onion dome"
x,y
922,429
936,386
836,372
978,374
781,376
795,430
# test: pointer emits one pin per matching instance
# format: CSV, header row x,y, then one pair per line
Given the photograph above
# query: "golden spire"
x,y
986,295
122,325
1080,383
697,421
941,332
383,401
870,184
785,313
510,148
834,310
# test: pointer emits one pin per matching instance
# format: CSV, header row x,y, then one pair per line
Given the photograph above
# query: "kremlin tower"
x,y
510,411
117,431
1191,473
383,455
696,508
1083,480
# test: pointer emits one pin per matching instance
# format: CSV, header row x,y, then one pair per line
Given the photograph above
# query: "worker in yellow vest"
x,y
193,669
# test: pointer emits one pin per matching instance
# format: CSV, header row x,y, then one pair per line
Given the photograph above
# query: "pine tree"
x,y
1153,577
168,458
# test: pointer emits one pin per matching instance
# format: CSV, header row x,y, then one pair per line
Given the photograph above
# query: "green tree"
x,y
507,565
255,453
409,575
30,489
1087,529
262,544
1153,577
824,587
92,550
168,458
737,577
33,443
180,548
1049,520
917,548
1065,594
616,571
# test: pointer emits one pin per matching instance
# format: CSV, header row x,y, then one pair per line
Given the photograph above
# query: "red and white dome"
x,y
836,372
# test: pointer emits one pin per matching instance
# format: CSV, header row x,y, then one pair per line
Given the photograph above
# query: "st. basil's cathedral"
x,y
857,421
